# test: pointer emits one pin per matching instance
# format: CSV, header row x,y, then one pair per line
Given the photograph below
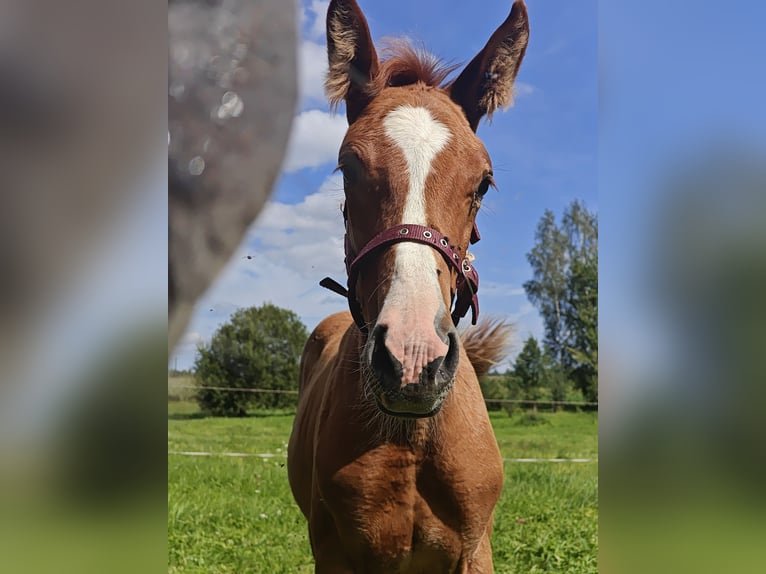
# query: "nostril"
x,y
453,341
378,343
385,365
453,353
441,371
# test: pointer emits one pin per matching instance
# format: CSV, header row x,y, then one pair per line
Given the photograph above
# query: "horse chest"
x,y
401,514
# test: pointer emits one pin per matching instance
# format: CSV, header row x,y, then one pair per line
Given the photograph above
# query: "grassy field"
x,y
236,515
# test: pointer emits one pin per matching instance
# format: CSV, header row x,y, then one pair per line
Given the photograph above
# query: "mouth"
x,y
408,402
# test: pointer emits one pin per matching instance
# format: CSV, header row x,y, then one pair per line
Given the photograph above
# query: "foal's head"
x,y
411,156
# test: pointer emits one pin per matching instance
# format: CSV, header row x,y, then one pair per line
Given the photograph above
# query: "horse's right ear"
x,y
352,57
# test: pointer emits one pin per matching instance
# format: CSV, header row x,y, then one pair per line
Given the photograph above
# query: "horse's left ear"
x,y
486,84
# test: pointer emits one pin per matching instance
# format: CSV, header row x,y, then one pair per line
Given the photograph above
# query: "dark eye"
x,y
484,186
346,176
351,167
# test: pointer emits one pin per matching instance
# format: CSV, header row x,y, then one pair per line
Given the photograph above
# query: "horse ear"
x,y
486,84
353,62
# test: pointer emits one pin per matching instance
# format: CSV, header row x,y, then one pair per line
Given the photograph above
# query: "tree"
x,y
564,288
547,289
260,347
555,378
528,370
581,310
581,319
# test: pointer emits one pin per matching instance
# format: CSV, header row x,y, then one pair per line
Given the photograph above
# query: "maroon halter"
x,y
466,287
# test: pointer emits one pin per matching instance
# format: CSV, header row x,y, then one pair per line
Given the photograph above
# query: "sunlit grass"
x,y
228,515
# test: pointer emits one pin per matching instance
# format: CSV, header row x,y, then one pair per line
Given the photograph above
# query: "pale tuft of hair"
x,y
405,64
338,78
402,64
487,344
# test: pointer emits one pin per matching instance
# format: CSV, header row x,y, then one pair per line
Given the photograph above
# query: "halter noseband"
x,y
466,287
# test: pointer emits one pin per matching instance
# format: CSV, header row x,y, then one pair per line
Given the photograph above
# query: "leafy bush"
x,y
260,347
494,387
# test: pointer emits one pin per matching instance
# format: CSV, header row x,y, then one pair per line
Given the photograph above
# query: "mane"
x,y
404,65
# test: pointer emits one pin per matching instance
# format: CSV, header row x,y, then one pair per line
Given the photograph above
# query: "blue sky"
x,y
544,153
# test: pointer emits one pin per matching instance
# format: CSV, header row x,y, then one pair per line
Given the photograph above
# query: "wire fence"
x,y
270,455
523,402
511,405
239,390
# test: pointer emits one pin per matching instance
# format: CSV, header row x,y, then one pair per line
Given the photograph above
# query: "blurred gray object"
x,y
80,113
232,94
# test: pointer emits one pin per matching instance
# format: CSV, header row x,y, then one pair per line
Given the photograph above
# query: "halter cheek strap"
x,y
466,286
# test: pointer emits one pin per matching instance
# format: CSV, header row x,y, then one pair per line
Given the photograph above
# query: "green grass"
x,y
180,388
237,515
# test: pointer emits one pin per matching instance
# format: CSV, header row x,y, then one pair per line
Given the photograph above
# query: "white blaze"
x,y
420,138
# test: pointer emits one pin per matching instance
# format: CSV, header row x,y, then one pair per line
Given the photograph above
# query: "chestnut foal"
x,y
392,458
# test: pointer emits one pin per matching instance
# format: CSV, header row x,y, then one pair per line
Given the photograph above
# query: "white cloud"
x,y
186,348
522,89
312,53
305,238
494,289
292,248
312,68
191,338
315,139
319,10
